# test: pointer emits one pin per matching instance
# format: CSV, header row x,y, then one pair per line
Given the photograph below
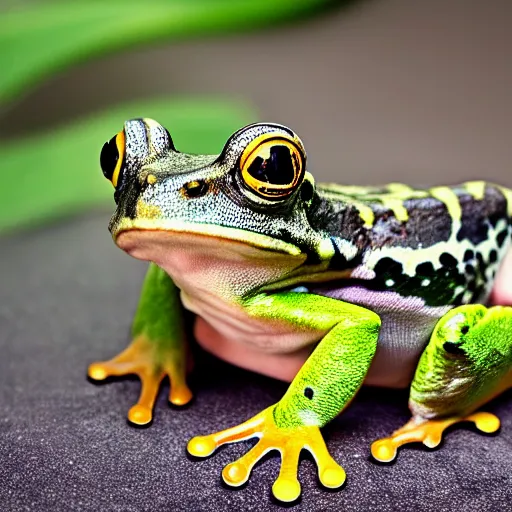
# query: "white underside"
x,y
401,340
210,279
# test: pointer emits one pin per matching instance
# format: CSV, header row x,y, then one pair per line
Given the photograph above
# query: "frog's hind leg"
x,y
158,348
467,363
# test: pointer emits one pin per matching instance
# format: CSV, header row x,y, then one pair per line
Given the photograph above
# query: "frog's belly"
x,y
227,323
279,351
270,347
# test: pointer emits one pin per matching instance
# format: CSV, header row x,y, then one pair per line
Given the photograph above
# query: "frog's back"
x,y
420,252
396,235
401,216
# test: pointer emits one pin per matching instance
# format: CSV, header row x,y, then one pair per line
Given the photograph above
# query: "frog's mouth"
x,y
130,235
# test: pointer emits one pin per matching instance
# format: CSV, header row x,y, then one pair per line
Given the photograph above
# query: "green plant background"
x,y
51,173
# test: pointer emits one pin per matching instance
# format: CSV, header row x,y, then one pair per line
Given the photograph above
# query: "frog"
x,y
382,286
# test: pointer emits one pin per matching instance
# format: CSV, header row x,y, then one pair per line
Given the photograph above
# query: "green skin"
x,y
158,297
307,244
335,370
477,361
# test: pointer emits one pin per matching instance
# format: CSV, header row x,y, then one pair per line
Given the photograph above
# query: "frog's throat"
x,y
211,230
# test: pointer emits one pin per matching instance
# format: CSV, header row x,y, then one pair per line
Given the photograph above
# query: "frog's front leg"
x,y
467,362
321,390
158,348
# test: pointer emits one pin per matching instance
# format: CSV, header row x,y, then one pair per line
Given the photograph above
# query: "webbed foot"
x,y
289,441
151,364
428,432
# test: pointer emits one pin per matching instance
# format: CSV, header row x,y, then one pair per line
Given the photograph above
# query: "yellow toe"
x,y
286,490
97,372
180,396
383,450
201,446
485,422
140,415
333,477
235,474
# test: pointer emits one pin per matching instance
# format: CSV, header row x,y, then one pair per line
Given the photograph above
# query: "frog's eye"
x,y
272,166
111,157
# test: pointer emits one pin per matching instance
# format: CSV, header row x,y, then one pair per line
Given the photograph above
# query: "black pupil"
x,y
277,169
109,157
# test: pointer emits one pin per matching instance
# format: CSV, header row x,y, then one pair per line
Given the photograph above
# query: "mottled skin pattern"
x,y
351,282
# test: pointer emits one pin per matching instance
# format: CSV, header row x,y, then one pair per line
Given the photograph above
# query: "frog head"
x,y
252,197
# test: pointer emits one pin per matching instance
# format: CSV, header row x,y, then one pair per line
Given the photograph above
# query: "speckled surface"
x,y
66,299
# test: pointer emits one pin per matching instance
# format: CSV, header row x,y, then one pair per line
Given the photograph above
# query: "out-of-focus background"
x,y
379,90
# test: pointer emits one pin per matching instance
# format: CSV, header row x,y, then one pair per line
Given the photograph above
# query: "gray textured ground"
x,y
66,297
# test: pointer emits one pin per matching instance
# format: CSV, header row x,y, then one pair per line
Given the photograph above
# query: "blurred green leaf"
x,y
37,39
57,174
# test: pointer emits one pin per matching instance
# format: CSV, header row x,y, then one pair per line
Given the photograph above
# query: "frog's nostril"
x,y
196,188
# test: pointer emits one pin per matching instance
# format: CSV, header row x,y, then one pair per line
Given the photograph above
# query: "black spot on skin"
x,y
481,262
447,260
476,233
338,261
494,218
453,348
469,255
460,279
388,267
501,237
308,393
470,269
478,293
442,286
493,256
464,329
441,289
477,215
306,191
459,299
425,269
